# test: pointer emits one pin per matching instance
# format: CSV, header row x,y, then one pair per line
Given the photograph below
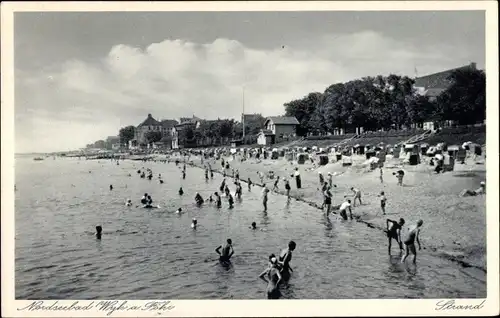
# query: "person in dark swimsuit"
x,y
226,253
393,230
413,235
218,200
249,184
98,232
273,279
181,192
285,258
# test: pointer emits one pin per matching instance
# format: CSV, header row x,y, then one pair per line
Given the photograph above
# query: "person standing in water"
x,y
285,258
226,253
265,191
287,188
328,201
218,200
330,180
273,279
249,184
181,192
383,201
357,195
110,187
381,175
343,209
413,235
393,230
231,201
275,187
184,173
98,232
321,178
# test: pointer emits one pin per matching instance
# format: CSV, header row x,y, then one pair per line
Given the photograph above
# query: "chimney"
x,y
473,65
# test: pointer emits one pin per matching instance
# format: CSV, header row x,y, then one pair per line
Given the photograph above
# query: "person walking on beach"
x,y
273,279
285,259
383,201
298,180
226,253
399,175
393,230
265,191
413,235
357,195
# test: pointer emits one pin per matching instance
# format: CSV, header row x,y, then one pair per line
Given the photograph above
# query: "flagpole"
x,y
243,114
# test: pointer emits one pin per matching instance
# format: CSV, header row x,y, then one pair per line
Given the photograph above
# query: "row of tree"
x,y
389,102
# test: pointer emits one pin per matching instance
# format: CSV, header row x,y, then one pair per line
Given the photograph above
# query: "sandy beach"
x,y
453,225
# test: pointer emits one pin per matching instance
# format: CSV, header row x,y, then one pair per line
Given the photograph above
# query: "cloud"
x,y
78,102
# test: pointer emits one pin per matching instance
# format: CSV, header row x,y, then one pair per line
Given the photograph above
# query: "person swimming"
x,y
98,232
226,253
161,181
194,223
129,202
144,199
273,279
254,226
179,211
411,237
393,230
181,192
199,199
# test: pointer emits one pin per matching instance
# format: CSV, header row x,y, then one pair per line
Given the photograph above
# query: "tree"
x,y
465,100
126,134
153,136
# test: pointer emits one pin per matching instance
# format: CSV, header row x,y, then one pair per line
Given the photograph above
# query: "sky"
x,y
81,76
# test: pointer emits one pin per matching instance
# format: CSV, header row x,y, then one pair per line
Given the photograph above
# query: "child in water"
x,y
98,233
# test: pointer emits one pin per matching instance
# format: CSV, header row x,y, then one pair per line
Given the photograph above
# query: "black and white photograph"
x,y
251,154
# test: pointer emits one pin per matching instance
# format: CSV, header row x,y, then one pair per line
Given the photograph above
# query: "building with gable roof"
x,y
281,127
433,85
